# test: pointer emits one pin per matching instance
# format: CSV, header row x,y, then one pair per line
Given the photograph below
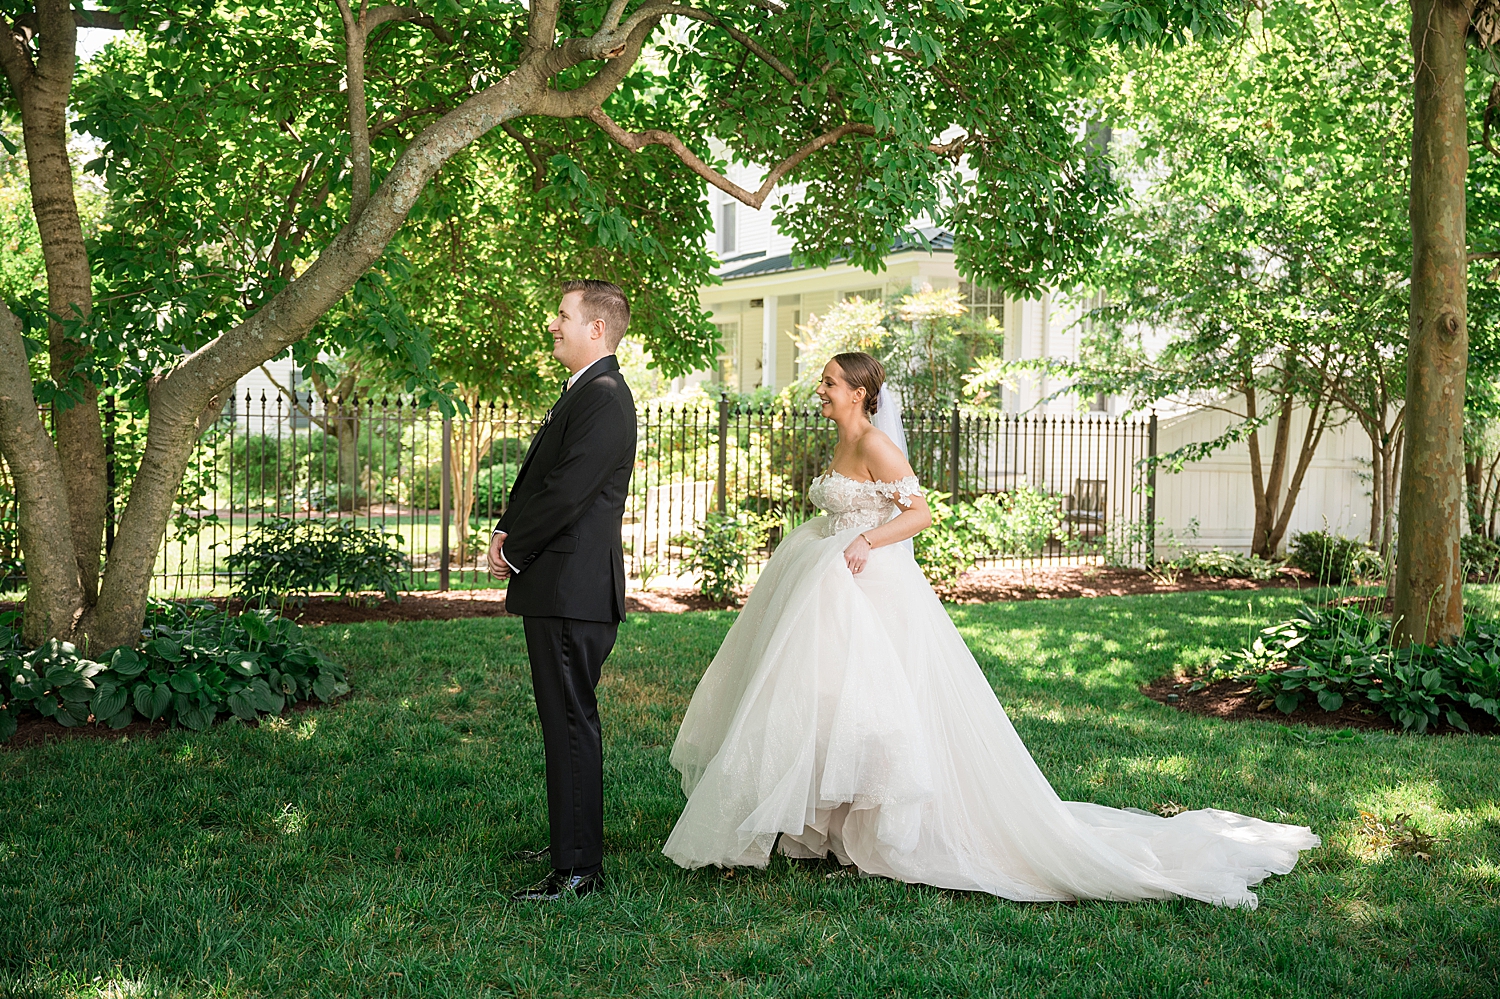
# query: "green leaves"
x,y
286,559
1340,654
722,548
195,663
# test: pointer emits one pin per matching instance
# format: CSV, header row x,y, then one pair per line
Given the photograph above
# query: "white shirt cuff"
x,y
514,571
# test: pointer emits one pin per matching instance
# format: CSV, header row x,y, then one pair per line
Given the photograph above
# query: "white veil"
x,y
887,417
887,420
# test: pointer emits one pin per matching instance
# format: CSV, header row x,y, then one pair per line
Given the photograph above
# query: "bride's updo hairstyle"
x,y
862,371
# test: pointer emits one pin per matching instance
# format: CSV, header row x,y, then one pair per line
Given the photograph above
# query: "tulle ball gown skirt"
x,y
845,714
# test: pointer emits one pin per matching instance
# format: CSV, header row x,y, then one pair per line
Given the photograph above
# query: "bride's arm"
x,y
885,463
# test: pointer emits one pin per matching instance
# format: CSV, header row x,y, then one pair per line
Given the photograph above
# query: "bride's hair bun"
x,y
862,371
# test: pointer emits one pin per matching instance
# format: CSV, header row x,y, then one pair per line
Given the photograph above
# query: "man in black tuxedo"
x,y
558,542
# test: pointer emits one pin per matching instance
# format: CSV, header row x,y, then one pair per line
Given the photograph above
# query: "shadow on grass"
x,y
367,849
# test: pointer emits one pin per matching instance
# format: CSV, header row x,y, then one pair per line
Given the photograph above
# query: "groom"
x,y
558,542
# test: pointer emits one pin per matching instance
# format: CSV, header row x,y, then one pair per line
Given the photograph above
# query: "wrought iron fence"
x,y
438,484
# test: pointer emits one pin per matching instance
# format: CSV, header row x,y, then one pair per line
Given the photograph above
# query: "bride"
x,y
844,714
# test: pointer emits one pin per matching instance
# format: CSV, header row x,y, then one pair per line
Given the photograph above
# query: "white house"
x,y
765,296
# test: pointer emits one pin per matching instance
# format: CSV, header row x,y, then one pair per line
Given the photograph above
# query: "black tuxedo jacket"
x,y
562,521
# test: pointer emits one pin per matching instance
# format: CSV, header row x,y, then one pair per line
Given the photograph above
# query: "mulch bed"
x,y
34,730
1236,700
981,586
1227,699
977,586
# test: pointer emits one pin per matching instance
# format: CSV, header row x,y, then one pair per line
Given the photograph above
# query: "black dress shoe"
x,y
559,885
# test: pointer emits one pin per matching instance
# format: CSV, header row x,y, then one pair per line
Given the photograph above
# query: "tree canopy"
x,y
264,161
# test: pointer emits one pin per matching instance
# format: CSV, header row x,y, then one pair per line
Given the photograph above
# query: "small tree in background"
x,y
926,341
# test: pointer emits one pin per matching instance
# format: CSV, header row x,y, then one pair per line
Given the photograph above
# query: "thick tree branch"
x,y
636,141
82,18
54,591
15,61
541,26
357,28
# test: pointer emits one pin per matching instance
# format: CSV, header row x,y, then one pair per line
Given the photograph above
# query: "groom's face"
x,y
575,340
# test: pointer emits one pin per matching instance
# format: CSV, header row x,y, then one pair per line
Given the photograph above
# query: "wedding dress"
x,y
844,713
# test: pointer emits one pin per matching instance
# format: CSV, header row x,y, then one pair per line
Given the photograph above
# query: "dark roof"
x,y
941,240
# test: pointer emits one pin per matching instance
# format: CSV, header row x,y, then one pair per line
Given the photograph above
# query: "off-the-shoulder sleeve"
x,y
901,490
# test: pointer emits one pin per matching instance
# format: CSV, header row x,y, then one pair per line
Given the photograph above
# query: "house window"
x,y
728,227
729,350
984,302
868,295
1100,404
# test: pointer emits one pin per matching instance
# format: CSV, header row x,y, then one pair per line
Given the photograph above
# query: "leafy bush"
x,y
286,559
1333,558
722,549
492,489
1338,653
195,663
1016,523
951,545
1480,555
1217,562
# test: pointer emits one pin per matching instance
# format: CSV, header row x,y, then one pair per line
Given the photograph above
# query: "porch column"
x,y
768,342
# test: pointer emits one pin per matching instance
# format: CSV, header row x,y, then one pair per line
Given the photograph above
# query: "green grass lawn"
x,y
366,849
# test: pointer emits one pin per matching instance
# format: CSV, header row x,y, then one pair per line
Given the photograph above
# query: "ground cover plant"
x,y
194,663
366,849
1337,653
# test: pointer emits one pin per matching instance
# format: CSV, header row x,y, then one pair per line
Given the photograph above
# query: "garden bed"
x,y
1239,700
978,586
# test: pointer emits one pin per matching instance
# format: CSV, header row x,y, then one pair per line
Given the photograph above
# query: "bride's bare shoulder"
x,y
881,457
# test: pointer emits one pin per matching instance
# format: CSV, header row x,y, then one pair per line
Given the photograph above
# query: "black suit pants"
x,y
566,658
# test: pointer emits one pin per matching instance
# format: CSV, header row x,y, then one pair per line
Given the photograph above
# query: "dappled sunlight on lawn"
x,y
366,848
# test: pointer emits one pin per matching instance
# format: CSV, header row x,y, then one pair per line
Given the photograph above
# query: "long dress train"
x,y
844,713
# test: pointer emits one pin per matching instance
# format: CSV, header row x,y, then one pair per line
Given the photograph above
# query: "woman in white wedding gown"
x,y
844,713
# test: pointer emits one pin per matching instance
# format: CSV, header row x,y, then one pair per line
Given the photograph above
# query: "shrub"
x,y
1480,555
1217,562
722,549
286,559
1333,558
1016,523
195,663
492,489
951,545
1334,654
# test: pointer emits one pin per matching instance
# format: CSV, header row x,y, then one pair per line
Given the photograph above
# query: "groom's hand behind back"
x,y
498,568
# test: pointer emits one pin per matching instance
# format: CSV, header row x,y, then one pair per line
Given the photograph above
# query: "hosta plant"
x,y
193,664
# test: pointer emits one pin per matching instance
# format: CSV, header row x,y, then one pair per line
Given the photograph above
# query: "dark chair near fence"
x,y
1084,508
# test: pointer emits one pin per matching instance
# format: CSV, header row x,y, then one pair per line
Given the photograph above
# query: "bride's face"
x,y
838,398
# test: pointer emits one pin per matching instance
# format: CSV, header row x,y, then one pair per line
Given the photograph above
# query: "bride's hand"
x,y
857,554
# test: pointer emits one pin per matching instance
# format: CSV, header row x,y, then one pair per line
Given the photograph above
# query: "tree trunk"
x,y
43,96
1312,436
1427,594
471,442
54,592
344,421
179,396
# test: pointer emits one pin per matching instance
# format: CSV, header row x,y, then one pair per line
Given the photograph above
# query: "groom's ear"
x,y
598,329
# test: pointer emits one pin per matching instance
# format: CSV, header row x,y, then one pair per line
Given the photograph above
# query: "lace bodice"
x,y
851,503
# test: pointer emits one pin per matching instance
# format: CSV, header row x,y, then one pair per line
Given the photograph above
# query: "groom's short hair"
x,y
603,300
